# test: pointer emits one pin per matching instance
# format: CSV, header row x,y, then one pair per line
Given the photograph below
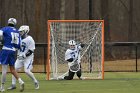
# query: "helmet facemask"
x,y
72,44
24,30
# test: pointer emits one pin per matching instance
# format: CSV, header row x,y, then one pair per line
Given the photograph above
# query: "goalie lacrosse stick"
x,y
91,40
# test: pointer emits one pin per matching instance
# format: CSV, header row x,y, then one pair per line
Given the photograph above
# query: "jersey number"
x,y
23,46
15,38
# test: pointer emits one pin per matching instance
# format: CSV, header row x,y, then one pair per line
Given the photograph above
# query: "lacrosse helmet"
x,y
24,28
72,42
12,21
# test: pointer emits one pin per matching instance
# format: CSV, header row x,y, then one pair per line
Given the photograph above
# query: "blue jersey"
x,y
11,37
11,41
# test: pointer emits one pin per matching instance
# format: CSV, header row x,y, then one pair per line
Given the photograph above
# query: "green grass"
x,y
114,82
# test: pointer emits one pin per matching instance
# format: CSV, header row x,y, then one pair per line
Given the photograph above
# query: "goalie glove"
x,y
82,45
21,56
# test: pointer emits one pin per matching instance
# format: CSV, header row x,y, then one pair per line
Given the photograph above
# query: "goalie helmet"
x,y
25,29
72,42
12,21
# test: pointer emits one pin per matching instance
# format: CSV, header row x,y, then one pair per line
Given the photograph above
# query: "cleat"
x,y
81,78
11,87
2,90
60,78
36,85
22,87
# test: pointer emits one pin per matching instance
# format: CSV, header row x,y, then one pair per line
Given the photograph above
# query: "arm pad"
x,y
70,60
29,53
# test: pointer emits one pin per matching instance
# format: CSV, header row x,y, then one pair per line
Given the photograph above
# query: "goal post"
x,y
88,32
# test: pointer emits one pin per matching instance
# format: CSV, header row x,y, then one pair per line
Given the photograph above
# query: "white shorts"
x,y
26,63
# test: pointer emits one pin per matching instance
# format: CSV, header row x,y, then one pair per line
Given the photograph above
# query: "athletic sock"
x,y
20,81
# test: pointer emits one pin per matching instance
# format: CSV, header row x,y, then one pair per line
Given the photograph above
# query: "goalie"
x,y
72,56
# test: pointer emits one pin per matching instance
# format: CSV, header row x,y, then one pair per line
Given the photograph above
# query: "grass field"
x,y
114,82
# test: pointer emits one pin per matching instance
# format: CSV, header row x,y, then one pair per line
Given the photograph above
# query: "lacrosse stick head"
x,y
74,67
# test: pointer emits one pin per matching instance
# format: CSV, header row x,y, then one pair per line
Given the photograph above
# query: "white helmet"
x,y
12,21
24,28
72,42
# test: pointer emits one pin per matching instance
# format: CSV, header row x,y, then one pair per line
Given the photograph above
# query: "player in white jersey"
x,y
72,56
25,56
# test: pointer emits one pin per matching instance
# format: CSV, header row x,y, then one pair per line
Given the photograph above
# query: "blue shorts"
x,y
7,57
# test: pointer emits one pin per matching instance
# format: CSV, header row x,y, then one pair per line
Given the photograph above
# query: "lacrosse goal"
x,y
88,32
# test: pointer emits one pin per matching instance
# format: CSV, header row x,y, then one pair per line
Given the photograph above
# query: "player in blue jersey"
x,y
11,41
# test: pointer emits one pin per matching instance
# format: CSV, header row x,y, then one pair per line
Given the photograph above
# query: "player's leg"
x,y
70,75
27,68
18,65
13,86
79,73
15,74
13,71
31,75
4,61
3,77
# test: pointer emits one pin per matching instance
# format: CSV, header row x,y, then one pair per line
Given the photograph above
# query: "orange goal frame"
x,y
48,42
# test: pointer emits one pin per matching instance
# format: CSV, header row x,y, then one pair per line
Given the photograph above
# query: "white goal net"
x,y
88,32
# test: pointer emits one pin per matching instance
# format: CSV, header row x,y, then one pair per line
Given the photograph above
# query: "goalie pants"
x,y
71,74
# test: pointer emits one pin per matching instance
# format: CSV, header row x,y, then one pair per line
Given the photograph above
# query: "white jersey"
x,y
73,53
27,44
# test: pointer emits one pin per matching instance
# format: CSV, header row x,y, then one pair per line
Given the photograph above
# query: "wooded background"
x,y
122,17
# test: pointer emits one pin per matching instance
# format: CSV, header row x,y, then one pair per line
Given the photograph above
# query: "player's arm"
x,y
29,52
31,47
1,36
1,33
22,56
70,59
